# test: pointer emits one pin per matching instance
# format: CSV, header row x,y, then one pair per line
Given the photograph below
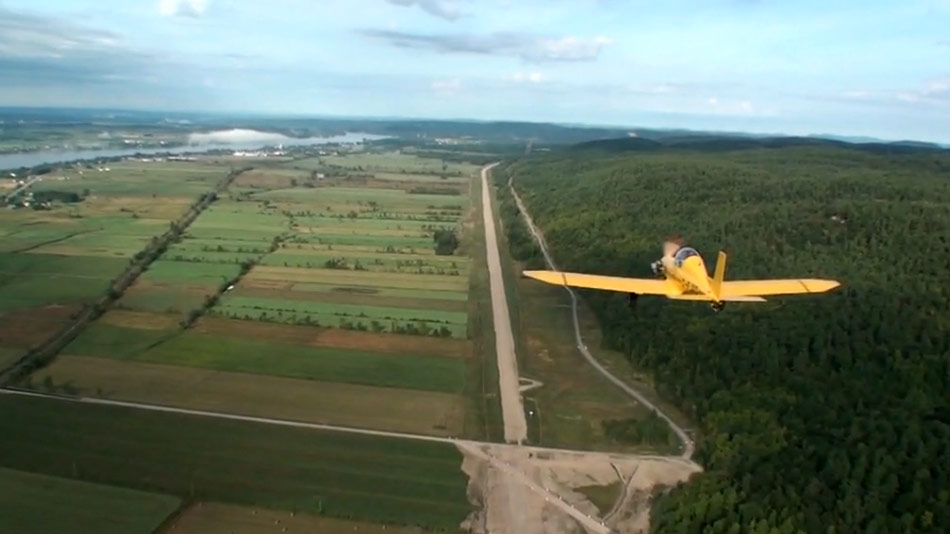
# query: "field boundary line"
x,y
689,446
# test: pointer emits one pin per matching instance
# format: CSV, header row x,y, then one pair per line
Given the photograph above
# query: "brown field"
x,y
353,298
335,338
214,518
63,249
29,327
169,208
140,320
271,178
8,356
401,410
161,290
359,278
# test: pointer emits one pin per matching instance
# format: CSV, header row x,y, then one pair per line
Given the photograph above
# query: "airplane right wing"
x,y
642,286
792,286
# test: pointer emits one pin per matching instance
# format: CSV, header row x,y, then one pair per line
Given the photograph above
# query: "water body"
x,y
197,143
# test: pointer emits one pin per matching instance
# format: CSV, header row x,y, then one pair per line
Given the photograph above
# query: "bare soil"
x,y
505,503
30,327
336,338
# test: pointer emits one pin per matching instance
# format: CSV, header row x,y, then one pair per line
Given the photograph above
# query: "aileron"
x,y
777,287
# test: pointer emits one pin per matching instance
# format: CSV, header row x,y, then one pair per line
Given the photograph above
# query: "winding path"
x,y
688,445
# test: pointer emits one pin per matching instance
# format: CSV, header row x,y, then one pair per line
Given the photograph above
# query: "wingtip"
x,y
822,286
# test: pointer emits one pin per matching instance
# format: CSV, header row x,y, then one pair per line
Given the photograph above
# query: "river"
x,y
198,143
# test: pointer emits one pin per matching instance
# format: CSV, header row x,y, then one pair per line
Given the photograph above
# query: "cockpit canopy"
x,y
682,254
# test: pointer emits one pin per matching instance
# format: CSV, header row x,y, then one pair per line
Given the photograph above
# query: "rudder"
x,y
719,274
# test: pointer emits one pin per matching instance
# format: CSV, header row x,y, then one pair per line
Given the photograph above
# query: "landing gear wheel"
x,y
718,306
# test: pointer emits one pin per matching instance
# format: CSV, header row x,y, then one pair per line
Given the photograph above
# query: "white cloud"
x,y
734,107
447,87
529,47
444,9
570,48
528,77
183,8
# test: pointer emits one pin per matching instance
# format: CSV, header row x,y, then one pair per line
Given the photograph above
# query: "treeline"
x,y
825,413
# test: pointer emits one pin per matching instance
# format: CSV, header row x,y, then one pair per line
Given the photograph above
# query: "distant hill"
x,y
710,143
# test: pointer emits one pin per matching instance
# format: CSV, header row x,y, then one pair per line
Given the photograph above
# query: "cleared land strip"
x,y
688,444
47,351
512,405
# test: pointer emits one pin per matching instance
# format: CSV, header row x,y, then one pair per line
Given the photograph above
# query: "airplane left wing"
x,y
642,286
776,287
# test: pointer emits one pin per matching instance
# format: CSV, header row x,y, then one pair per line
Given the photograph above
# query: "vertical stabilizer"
x,y
719,275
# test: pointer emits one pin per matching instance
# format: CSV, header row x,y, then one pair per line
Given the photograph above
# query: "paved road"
x,y
512,405
688,445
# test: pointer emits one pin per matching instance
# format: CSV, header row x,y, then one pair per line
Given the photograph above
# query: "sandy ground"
x,y
512,405
531,490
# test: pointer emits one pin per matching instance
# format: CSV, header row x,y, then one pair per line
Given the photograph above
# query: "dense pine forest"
x,y
824,414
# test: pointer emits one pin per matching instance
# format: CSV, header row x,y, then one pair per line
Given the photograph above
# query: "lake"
x,y
198,143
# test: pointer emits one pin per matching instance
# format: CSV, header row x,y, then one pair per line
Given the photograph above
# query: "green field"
x,y
41,504
32,280
383,291
214,518
69,253
331,473
433,373
293,311
162,272
396,162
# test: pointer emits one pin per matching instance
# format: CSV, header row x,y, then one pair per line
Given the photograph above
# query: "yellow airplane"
x,y
684,277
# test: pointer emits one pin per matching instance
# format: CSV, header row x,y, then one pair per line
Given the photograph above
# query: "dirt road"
x,y
512,405
688,445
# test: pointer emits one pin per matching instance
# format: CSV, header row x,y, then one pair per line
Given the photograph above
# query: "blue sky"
x,y
799,67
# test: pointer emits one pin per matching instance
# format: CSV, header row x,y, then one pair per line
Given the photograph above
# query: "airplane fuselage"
x,y
690,275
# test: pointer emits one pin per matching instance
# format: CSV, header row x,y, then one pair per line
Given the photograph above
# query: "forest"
x,y
826,413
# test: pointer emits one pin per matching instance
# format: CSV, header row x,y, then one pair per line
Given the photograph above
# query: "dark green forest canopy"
x,y
825,413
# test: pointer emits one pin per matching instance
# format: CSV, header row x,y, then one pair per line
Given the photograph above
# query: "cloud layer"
x,y
529,47
444,9
183,8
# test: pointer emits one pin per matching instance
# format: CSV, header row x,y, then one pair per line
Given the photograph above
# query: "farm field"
x,y
356,405
293,469
215,518
67,255
320,300
40,504
191,349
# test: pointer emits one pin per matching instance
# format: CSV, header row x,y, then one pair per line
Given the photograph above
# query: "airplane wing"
x,y
776,287
642,286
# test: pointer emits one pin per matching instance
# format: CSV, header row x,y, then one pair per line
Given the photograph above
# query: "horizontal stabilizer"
x,y
732,298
